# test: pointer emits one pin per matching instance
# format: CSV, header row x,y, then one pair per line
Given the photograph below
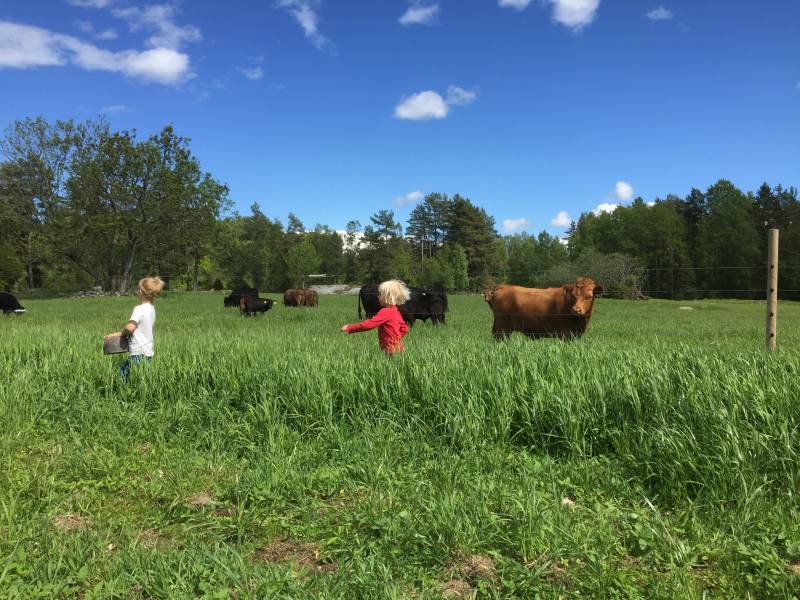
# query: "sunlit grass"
x,y
671,430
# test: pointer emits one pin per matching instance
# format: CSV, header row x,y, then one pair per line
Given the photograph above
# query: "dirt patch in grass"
x,y
794,569
568,503
475,568
200,500
143,448
305,555
71,523
152,539
456,588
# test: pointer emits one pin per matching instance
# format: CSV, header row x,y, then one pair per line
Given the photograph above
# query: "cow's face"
x,y
581,295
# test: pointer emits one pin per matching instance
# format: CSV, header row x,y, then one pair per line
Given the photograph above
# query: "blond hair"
x,y
151,287
393,292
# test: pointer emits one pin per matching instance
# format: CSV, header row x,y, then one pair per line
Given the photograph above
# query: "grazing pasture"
x,y
656,457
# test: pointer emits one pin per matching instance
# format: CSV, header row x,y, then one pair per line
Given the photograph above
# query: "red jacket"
x,y
391,328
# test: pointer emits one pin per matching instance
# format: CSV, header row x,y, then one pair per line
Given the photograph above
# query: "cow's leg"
x,y
499,332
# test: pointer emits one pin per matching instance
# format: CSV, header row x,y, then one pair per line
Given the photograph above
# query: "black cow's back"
x,y
238,294
9,303
422,304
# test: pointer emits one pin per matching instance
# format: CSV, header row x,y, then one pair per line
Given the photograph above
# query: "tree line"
x,y
82,205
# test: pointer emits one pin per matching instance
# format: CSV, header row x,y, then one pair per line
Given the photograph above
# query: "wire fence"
x,y
636,283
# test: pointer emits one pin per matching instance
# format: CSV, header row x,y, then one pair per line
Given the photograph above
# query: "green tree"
x,y
472,228
294,224
427,225
728,242
302,261
383,253
128,200
329,247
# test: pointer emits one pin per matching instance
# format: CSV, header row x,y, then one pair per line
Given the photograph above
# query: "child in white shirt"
x,y
139,329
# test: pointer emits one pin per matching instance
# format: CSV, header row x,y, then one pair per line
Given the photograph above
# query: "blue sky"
x,y
334,109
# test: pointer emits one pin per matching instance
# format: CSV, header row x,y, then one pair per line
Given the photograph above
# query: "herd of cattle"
x,y
423,304
562,312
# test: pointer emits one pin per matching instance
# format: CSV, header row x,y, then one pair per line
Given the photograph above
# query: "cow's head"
x,y
488,295
581,295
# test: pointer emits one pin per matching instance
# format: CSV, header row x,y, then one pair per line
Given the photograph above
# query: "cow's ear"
x,y
569,293
598,290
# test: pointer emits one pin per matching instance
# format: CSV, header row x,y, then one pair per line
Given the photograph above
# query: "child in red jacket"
x,y
388,320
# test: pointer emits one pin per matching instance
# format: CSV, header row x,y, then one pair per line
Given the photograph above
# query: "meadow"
x,y
277,457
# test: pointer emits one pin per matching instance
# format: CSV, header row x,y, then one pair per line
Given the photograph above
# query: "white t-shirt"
x,y
142,341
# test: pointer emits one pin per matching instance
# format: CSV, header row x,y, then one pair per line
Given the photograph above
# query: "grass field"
x,y
276,457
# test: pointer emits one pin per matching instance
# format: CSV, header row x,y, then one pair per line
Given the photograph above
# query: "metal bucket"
x,y
115,343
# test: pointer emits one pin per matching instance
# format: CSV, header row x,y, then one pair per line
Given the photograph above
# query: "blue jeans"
x,y
134,359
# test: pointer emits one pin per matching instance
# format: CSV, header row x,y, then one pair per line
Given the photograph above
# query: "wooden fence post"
x,y
772,290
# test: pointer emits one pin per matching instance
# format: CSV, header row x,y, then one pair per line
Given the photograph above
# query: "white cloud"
x,y
115,108
418,14
252,72
84,26
159,18
26,46
651,203
22,47
87,27
660,14
515,225
562,219
408,199
457,96
423,106
91,3
605,207
575,14
515,4
106,34
430,105
305,13
623,190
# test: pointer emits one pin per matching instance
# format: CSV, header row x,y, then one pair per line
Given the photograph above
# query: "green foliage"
x,y
10,267
447,270
84,197
728,237
301,262
620,275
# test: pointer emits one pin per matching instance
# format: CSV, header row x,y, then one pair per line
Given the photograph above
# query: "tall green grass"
x,y
671,431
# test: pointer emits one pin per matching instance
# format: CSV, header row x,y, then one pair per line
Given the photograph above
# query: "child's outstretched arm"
x,y
372,323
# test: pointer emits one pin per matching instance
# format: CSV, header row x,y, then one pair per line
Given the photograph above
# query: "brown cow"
x,y
293,297
310,298
561,312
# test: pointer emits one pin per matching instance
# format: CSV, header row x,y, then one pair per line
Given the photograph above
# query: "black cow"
x,y
251,305
236,295
423,304
9,304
